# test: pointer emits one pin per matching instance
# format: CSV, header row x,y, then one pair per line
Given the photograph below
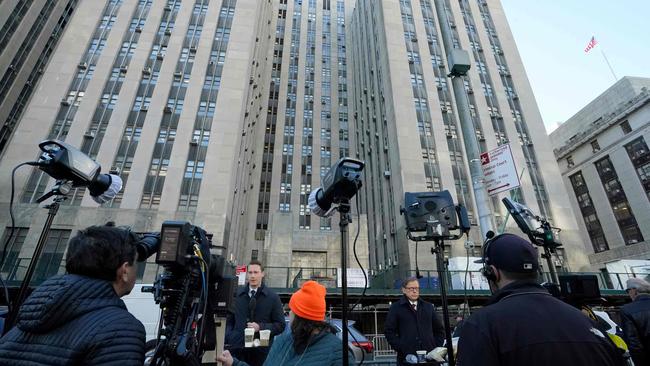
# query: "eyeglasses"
x,y
412,288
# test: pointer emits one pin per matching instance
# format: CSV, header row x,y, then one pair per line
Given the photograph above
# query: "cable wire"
x,y
365,278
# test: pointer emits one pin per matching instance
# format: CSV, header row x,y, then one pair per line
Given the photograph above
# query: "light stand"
x,y
59,191
345,219
435,214
438,252
549,262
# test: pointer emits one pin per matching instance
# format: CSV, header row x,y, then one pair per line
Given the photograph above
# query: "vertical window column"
x,y
135,121
69,105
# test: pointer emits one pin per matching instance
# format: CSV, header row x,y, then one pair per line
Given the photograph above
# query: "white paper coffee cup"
x,y
265,337
249,337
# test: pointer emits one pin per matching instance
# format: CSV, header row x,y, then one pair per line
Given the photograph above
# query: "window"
x,y
13,250
569,161
619,203
49,264
625,126
594,228
595,146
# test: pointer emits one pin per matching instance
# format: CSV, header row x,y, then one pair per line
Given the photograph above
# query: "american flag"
x,y
591,44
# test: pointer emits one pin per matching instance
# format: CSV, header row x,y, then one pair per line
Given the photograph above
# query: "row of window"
x,y
638,153
135,121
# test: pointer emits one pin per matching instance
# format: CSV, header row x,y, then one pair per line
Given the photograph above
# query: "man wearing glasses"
x,y
412,324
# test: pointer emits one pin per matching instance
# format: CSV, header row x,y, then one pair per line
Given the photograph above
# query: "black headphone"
x,y
487,271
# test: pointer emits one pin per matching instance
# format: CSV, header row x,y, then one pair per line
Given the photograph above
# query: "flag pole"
x,y
608,64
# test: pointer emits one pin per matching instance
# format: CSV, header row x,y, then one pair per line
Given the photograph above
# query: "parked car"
x,y
360,346
357,342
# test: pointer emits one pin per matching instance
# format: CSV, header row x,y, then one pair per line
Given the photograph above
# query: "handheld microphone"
x,y
105,188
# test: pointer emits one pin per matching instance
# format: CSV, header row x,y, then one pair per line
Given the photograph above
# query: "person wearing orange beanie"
x,y
311,342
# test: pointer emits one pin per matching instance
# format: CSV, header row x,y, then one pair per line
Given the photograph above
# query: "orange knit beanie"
x,y
309,301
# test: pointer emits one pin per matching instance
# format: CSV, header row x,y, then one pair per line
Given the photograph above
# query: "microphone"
x,y
105,187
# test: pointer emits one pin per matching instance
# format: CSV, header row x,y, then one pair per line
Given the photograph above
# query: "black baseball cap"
x,y
511,253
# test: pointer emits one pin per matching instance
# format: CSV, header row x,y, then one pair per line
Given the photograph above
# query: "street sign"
x,y
240,272
499,170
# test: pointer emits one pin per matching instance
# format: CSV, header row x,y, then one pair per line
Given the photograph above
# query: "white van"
x,y
145,309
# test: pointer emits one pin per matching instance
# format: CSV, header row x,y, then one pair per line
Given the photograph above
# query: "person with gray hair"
x,y
635,318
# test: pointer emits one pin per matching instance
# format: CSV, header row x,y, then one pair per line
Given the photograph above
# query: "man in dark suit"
x,y
257,307
412,323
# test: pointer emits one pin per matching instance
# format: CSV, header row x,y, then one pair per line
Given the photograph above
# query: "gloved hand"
x,y
438,354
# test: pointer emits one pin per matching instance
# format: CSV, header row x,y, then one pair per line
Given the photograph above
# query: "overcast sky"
x,y
551,36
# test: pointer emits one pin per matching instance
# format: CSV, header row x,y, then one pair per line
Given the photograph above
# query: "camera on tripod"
x,y
194,292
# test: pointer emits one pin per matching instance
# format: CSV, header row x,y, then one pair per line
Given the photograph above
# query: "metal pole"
x,y
472,151
442,279
344,211
53,208
551,267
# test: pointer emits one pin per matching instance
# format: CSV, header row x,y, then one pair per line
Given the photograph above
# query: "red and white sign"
x,y
499,170
240,272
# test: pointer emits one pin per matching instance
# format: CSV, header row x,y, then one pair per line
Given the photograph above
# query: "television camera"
x,y
194,292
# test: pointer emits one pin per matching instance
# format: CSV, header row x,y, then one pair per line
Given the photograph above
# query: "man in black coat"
x,y
636,321
412,323
257,307
522,323
78,318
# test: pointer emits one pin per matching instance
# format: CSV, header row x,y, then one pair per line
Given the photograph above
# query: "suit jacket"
x,y
408,331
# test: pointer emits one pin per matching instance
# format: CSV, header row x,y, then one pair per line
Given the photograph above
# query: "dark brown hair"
x,y
98,251
258,263
302,329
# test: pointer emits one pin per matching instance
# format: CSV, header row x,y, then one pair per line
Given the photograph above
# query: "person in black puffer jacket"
x,y
78,318
522,323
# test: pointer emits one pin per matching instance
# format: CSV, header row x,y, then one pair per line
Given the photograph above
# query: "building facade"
x,y
603,154
226,113
29,32
408,132
156,91
303,129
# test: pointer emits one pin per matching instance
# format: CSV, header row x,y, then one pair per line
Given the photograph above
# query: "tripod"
x,y
59,191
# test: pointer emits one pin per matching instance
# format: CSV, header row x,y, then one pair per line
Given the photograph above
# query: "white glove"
x,y
438,354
